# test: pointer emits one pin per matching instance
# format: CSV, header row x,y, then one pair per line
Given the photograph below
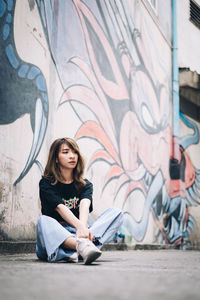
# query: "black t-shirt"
x,y
53,195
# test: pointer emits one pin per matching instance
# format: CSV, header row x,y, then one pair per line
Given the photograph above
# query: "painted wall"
x,y
99,72
189,131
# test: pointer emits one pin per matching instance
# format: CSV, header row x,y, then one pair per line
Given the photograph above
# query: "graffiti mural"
x,y
130,109
118,85
144,121
23,88
173,209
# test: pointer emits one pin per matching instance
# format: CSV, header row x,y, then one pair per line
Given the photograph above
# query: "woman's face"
x,y
67,157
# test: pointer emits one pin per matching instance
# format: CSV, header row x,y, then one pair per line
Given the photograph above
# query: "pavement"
x,y
130,274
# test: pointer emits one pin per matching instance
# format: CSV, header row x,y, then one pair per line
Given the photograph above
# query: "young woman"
x,y
66,201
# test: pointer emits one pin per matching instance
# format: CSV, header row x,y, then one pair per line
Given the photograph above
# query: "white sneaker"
x,y
87,250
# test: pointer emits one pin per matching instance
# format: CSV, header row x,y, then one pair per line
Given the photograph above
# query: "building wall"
x,y
161,15
101,73
189,57
188,34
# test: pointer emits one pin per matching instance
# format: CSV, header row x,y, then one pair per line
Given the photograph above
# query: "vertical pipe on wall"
x,y
175,82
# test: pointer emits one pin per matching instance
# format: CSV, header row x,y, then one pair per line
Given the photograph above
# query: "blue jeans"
x,y
51,234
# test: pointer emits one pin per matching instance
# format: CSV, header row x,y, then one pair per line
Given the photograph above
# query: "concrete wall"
x,y
188,38
100,73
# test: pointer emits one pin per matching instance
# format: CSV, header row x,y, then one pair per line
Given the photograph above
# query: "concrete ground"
x,y
133,274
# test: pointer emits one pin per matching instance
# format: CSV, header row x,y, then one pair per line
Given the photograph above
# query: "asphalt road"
x,y
139,274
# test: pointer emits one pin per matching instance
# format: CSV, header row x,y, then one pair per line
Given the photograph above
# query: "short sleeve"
x,y
50,199
87,193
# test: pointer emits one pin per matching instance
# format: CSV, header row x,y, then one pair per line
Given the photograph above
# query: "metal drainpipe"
x,y
176,104
175,82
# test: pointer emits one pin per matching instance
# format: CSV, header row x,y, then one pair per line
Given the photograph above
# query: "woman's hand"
x,y
83,232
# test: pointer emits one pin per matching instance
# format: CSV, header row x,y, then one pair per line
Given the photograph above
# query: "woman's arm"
x,y
81,229
84,211
83,214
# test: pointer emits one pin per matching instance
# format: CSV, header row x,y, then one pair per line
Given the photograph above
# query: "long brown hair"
x,y
52,170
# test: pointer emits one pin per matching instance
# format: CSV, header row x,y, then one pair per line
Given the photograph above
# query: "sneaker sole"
x,y
92,256
71,260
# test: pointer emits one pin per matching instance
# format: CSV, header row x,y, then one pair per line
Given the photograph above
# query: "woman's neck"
x,y
67,176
